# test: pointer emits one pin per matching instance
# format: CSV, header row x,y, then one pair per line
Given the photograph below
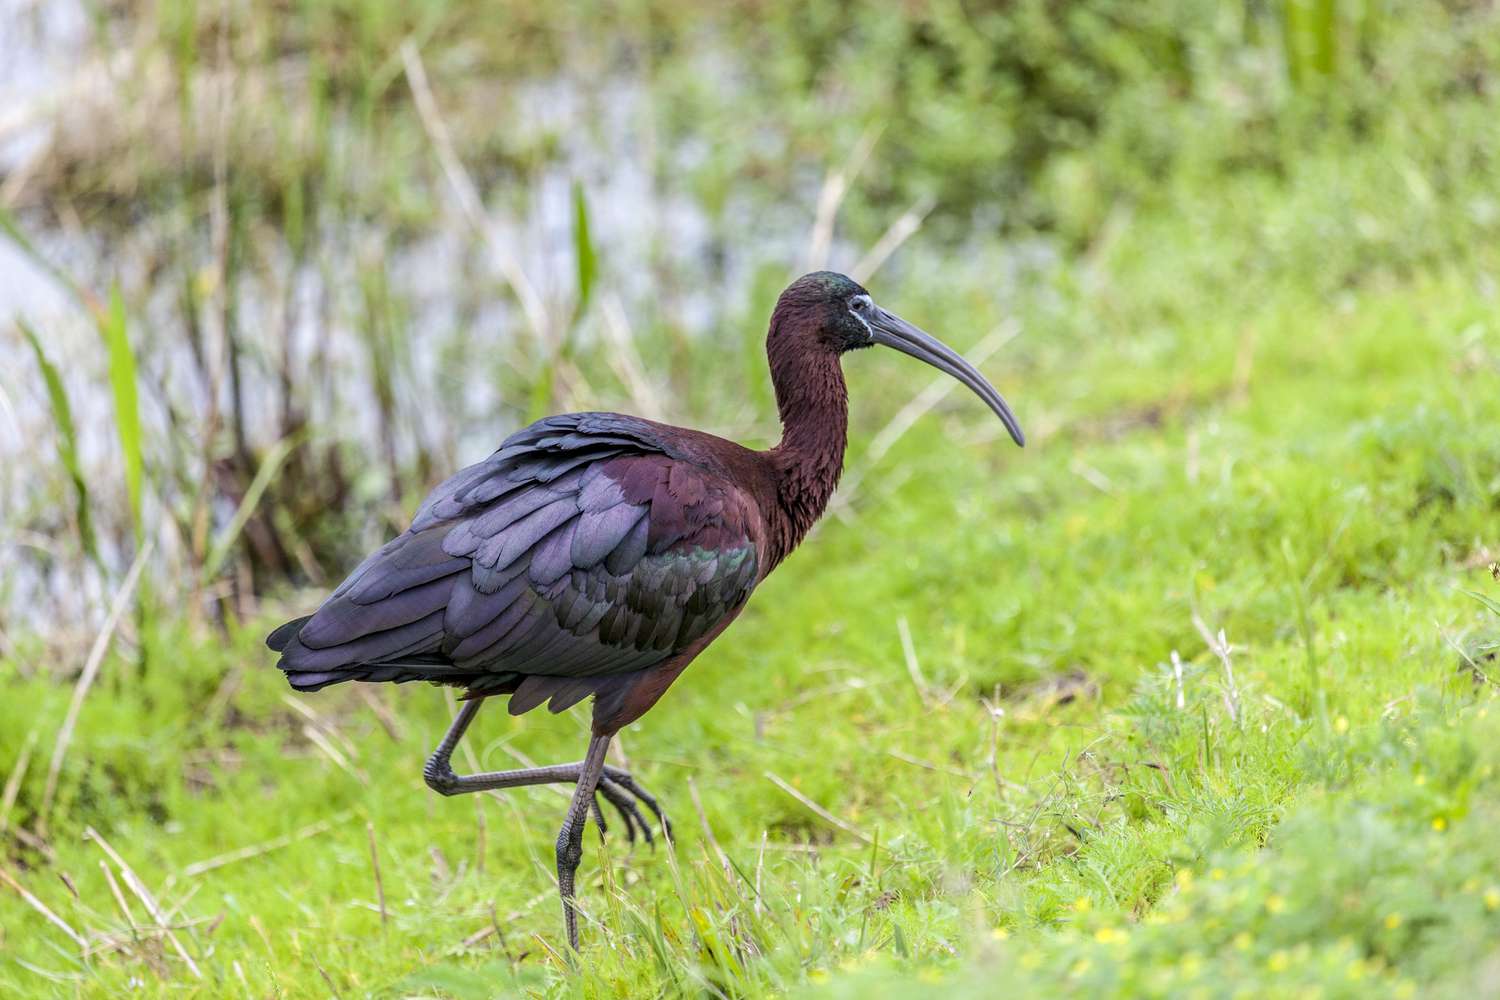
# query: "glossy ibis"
x,y
598,554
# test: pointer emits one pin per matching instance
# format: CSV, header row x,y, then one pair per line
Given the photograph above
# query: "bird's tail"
x,y
309,670
278,639
284,640
301,675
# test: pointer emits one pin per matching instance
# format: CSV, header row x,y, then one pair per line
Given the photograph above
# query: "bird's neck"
x,y
814,406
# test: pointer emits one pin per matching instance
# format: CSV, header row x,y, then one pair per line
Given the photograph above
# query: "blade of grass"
x,y
13,231
85,681
1324,28
67,439
269,466
1482,599
583,249
122,381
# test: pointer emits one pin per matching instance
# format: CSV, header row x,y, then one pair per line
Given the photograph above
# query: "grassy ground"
x,y
1190,697
1030,794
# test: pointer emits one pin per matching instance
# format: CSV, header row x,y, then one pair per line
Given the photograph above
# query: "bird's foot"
x,y
438,773
623,792
625,805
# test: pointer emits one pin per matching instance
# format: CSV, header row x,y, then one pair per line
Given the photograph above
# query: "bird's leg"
x,y
617,787
570,837
439,768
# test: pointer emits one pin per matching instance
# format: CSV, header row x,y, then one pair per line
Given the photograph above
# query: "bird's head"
x,y
829,312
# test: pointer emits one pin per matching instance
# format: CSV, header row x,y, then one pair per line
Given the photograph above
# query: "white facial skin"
x,y
860,308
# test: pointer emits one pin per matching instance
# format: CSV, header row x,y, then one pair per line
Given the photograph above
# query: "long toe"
x,y
625,804
627,782
599,818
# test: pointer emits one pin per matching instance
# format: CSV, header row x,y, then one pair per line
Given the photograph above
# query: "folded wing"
x,y
581,550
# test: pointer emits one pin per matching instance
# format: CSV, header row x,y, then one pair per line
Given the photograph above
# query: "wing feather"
x,y
584,548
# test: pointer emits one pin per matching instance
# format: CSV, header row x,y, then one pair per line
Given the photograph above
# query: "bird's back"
x,y
588,549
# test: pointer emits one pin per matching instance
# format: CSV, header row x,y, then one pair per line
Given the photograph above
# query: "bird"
x,y
597,554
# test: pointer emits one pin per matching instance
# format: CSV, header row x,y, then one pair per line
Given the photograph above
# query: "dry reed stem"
x,y
760,867
913,667
34,842
13,652
385,918
86,680
266,847
114,890
41,907
1219,646
708,832
831,196
321,741
383,713
903,229
467,194
17,775
929,765
321,722
134,883
626,360
479,935
848,828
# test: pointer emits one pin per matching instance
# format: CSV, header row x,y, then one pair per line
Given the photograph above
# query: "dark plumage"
x,y
584,551
598,554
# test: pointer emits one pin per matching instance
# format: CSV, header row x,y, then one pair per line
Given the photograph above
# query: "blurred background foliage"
x,y
329,275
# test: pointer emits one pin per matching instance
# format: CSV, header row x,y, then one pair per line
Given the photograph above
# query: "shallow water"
x,y
450,411
665,262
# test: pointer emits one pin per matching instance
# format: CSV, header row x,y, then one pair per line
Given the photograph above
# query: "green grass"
x,y
1315,477
1250,252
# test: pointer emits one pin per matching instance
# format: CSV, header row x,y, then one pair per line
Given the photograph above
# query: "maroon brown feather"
x,y
585,548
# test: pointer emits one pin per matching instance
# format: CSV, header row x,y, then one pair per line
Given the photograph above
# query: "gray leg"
x,y
439,768
617,787
570,838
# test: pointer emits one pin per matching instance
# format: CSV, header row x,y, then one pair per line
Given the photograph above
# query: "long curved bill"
x,y
893,331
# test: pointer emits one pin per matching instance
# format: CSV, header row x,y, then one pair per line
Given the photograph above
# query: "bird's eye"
x,y
859,304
